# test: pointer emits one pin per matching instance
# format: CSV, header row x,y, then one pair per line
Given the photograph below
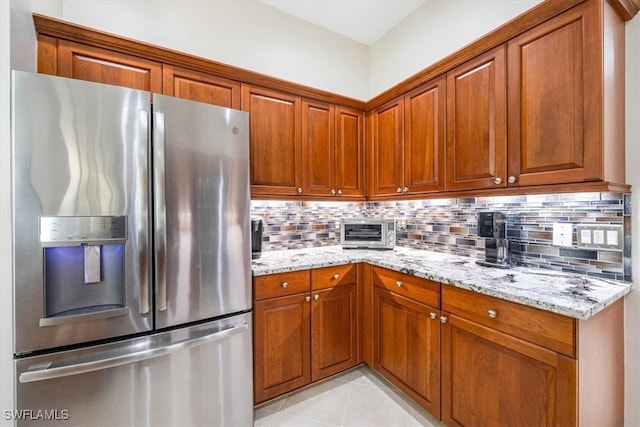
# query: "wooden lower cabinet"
x,y
306,336
493,379
334,345
281,345
407,347
406,334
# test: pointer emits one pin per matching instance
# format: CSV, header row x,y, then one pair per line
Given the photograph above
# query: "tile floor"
x,y
358,397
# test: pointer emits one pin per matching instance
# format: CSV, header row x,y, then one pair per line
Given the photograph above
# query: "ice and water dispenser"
x,y
84,267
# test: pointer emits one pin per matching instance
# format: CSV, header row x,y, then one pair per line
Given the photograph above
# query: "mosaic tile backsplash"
x,y
450,225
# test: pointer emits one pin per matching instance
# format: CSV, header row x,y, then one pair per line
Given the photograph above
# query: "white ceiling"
x,y
362,20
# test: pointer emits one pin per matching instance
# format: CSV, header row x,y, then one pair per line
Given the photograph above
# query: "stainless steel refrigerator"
x,y
132,284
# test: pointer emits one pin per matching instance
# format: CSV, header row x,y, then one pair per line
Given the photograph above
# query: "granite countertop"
x,y
576,296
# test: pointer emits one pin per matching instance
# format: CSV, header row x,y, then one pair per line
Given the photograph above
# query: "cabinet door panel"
x,y
387,153
334,344
318,148
201,87
78,61
554,133
349,152
424,137
476,123
407,347
281,345
490,378
275,144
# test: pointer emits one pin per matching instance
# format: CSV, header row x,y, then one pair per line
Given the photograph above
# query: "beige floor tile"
x,y
358,397
324,402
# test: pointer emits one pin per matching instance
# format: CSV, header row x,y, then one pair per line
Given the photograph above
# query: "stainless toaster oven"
x,y
368,233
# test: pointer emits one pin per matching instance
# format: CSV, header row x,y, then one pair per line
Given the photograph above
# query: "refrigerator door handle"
x,y
142,274
160,211
42,371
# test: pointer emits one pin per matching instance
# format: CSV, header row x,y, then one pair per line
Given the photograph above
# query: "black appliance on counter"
x,y
256,237
493,225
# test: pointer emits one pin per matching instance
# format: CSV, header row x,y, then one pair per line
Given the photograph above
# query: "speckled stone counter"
x,y
572,295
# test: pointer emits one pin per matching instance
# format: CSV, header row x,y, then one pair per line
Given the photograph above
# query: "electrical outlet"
x,y
563,234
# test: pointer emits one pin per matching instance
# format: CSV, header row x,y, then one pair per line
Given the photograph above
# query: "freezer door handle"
x,y
141,232
44,371
160,211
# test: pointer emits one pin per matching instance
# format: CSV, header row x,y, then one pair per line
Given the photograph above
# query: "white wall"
x,y
632,302
433,31
245,33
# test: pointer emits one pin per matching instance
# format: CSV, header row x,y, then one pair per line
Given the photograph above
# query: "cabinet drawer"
x,y
328,277
280,284
549,330
421,290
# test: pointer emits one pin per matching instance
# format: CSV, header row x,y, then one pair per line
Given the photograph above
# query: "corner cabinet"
x,y
306,327
408,142
406,335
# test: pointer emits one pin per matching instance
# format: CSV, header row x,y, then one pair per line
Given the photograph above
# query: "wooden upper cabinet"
x,y
83,62
387,148
274,139
201,87
424,137
476,123
555,101
318,148
350,163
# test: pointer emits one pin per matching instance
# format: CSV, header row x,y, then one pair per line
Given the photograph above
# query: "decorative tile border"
x,y
450,226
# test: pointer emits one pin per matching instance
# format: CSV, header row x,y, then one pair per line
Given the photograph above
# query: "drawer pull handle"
x,y
307,299
492,313
316,297
285,284
336,276
432,315
399,284
443,319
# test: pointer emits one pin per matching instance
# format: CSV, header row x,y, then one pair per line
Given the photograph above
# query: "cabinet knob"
x,y
492,313
336,276
307,299
316,297
333,191
398,190
433,315
405,189
339,192
443,319
299,189
498,180
399,284
285,284
512,179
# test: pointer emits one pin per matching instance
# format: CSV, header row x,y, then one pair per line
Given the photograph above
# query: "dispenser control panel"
x,y
82,230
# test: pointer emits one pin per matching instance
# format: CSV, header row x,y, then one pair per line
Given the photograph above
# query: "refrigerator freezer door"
x,y
80,179
202,222
197,376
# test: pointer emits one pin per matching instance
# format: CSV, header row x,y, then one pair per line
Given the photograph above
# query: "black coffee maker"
x,y
497,253
256,237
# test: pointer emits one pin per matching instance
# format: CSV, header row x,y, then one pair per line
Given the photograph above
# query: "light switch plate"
x,y
563,234
600,236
